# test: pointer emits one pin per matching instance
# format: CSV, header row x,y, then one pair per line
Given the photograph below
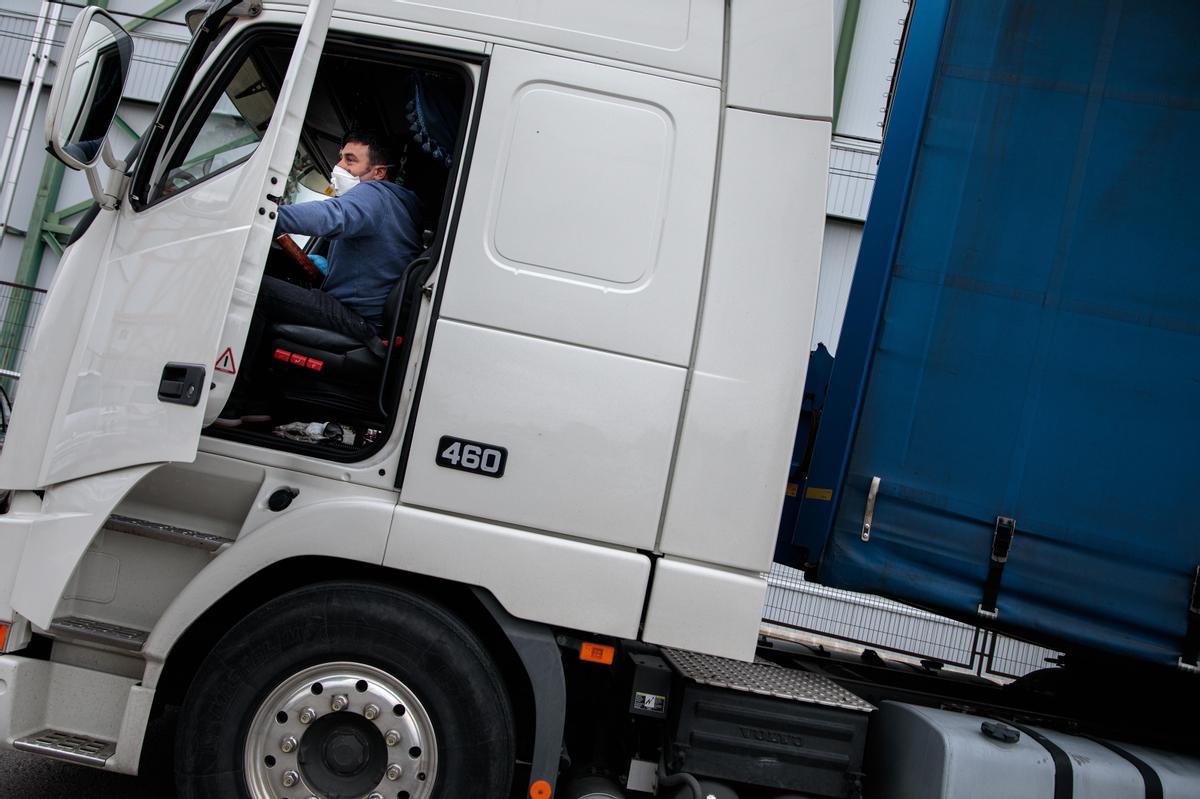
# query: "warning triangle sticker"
x,y
225,362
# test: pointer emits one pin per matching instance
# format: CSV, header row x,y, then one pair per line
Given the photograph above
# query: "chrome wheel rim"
x,y
340,728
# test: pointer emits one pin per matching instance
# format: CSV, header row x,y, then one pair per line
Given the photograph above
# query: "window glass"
x,y
225,130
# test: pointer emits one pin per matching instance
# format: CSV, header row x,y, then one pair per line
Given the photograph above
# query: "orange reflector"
x,y
3,636
597,653
540,790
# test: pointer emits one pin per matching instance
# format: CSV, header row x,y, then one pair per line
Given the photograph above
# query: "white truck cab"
x,y
573,433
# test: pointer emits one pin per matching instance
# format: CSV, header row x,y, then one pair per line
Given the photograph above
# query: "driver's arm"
x,y
340,217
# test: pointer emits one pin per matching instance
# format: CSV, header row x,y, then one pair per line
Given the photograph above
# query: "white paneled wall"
x,y
838,256
852,167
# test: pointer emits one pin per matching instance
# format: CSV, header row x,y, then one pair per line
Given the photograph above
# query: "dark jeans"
x,y
286,303
280,302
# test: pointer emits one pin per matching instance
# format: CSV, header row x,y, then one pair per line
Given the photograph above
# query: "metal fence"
x,y
796,604
22,307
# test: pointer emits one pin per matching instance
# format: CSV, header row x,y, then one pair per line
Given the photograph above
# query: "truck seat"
x,y
320,370
324,351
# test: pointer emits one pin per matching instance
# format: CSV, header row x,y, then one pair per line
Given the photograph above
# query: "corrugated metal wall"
x,y
16,33
157,46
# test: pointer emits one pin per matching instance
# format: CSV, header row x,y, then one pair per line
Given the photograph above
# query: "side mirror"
x,y
83,103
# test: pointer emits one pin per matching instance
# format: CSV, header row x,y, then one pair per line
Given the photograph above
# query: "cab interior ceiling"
x,y
347,96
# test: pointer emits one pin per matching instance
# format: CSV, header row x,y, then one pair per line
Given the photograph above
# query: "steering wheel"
x,y
177,179
181,177
299,259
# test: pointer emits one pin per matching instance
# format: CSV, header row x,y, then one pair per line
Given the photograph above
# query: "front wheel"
x,y
346,690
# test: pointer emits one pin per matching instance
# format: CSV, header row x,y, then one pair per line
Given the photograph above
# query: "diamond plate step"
x,y
80,628
165,532
766,679
68,746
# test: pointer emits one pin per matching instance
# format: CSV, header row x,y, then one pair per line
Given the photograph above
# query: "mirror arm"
x,y
233,10
108,197
102,198
110,159
249,8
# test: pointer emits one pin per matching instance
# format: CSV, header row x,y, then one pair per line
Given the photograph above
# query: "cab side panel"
x,y
569,305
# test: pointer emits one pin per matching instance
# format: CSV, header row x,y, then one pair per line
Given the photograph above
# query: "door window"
x,y
225,126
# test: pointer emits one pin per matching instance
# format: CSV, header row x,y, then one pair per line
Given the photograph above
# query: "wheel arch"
x,y
186,654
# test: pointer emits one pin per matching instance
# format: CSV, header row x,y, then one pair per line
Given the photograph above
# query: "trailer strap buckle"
x,y
1002,541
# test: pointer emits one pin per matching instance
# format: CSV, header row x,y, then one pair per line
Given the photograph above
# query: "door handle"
x,y
181,383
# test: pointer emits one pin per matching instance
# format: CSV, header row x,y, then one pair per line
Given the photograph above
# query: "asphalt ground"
x,y
26,776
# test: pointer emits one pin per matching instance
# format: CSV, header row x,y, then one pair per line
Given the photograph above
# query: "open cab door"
x,y
148,313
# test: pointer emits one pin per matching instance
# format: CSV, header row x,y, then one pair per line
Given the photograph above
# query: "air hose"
x,y
682,778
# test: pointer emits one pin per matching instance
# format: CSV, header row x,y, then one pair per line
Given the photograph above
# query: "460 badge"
x,y
472,456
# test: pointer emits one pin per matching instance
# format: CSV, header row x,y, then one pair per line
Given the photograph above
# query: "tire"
x,y
402,699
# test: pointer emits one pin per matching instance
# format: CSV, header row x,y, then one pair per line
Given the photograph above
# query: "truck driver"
x,y
372,224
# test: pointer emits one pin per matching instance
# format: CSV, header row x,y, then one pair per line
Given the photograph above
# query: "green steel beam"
x,y
249,138
53,243
70,211
123,125
157,11
841,64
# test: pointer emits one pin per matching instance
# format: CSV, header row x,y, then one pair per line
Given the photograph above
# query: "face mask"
x,y
342,181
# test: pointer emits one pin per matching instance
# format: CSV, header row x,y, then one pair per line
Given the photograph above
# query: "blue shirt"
x,y
375,236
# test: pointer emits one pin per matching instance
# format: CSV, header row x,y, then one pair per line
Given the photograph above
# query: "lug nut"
x,y
290,778
393,772
375,795
287,744
307,715
339,702
371,712
391,738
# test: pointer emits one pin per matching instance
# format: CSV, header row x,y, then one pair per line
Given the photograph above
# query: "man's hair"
x,y
379,150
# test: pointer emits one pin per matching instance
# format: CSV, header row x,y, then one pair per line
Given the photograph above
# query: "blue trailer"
x,y
1013,416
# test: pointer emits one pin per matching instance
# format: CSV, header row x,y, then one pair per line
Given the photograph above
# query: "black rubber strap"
x,y
1064,772
1150,778
1002,539
1191,639
991,588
